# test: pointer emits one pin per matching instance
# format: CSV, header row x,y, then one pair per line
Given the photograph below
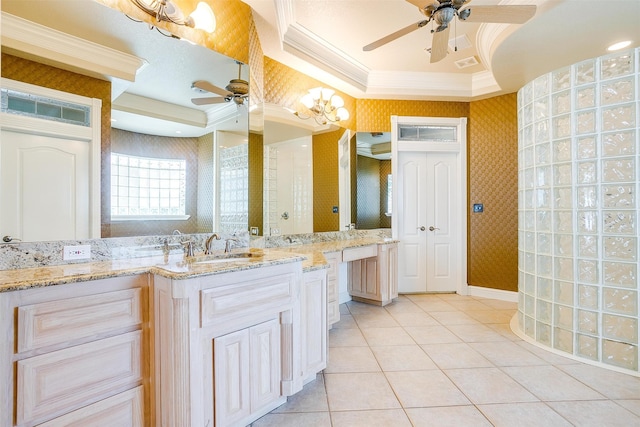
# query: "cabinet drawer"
x,y
66,320
361,252
333,258
62,381
224,303
124,409
332,290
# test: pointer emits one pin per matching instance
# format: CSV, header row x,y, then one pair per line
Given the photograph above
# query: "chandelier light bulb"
x,y
323,105
307,100
342,114
203,18
337,101
315,93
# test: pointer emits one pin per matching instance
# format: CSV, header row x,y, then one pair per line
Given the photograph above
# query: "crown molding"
x,y
27,39
148,107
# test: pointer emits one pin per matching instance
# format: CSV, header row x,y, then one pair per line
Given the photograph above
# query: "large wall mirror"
x,y
157,132
373,180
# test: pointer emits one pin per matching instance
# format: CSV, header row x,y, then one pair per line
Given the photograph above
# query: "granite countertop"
x,y
175,267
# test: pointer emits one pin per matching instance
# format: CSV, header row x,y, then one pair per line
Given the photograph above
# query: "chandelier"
x,y
202,18
323,106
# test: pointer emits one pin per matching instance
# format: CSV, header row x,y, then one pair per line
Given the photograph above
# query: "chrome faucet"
x,y
207,245
227,245
188,248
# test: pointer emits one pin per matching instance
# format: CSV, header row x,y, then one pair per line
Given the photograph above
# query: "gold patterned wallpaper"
x,y
230,38
256,179
284,86
325,181
493,181
374,115
368,193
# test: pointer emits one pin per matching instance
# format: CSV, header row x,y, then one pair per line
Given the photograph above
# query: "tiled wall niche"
x,y
578,209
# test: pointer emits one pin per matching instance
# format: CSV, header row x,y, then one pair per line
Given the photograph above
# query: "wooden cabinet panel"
x,y
55,322
247,372
222,303
68,379
232,378
123,410
363,278
313,313
264,364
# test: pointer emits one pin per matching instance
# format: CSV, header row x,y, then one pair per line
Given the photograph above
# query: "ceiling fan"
x,y
443,12
237,91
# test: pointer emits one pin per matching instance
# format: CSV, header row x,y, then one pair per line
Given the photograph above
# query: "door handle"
x,y
8,239
432,228
421,228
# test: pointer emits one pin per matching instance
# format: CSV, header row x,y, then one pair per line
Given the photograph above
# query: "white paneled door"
x,y
429,203
428,194
45,193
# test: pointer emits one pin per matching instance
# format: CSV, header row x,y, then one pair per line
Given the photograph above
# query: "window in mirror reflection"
x,y
234,188
147,188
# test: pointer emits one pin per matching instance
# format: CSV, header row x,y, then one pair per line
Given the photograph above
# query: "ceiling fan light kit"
x,y
202,18
323,105
443,12
237,91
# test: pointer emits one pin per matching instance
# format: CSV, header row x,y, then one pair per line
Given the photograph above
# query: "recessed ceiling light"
x,y
619,45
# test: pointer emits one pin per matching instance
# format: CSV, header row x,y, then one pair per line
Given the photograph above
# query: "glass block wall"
x,y
578,211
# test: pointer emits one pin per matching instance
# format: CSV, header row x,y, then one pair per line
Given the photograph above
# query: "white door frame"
x,y
90,134
430,146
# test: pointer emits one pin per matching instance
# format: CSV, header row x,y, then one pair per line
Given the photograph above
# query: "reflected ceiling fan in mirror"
x,y
443,12
237,91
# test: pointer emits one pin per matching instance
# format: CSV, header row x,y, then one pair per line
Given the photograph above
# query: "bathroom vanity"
x,y
202,343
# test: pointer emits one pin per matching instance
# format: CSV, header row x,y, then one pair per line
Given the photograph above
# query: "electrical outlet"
x,y
254,231
76,252
275,231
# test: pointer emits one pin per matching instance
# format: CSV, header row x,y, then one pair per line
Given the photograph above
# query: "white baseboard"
x,y
499,294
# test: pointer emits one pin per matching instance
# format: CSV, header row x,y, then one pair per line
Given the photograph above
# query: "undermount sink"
x,y
216,259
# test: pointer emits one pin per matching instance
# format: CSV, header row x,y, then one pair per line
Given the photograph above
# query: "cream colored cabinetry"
x,y
333,305
227,346
313,320
372,273
247,372
77,353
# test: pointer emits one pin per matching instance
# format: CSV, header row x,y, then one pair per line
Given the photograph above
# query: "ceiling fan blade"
x,y
421,4
205,85
209,100
440,45
515,14
391,37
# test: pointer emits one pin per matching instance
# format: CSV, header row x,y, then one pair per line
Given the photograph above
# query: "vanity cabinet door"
x,y
247,372
363,279
313,314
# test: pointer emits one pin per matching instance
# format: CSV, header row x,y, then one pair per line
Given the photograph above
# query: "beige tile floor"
x,y
451,360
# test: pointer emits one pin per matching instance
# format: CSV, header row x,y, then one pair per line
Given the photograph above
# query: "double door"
x,y
428,195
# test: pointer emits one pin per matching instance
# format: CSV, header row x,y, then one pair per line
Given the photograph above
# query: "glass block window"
x,y
146,188
427,133
234,188
25,104
578,210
